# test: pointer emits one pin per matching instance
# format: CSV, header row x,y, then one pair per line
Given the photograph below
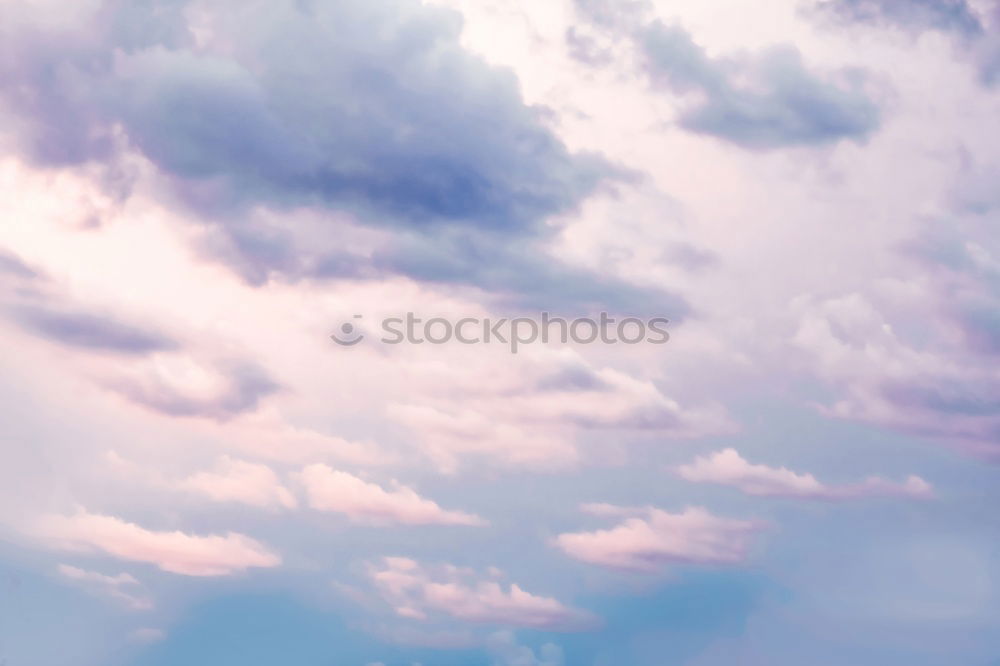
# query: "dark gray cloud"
x,y
769,100
372,108
89,331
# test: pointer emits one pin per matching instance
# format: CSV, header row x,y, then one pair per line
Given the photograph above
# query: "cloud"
x,y
521,274
270,125
110,585
769,100
920,360
650,538
531,412
760,101
415,592
240,481
507,651
946,15
266,434
935,385
91,331
186,385
974,31
378,114
13,265
728,468
333,490
168,374
613,13
176,552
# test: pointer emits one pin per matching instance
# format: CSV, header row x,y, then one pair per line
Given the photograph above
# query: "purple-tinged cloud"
x,y
13,265
90,331
931,387
975,31
378,113
215,390
945,15
767,101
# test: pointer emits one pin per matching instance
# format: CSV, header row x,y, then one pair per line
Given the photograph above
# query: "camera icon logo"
x,y
348,335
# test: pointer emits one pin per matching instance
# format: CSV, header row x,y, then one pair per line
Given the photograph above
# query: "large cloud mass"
x,y
371,109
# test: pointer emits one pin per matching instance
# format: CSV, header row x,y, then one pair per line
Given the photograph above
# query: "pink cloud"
x,y
415,592
176,552
728,468
241,481
649,538
333,490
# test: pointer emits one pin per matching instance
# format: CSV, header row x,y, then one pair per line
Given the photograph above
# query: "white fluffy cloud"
x,y
649,538
416,592
333,490
176,551
728,468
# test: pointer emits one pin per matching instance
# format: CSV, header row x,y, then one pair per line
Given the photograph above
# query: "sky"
x,y
213,453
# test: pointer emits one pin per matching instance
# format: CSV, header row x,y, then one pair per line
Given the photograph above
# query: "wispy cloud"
x,y
728,468
415,591
650,538
89,330
361,501
123,587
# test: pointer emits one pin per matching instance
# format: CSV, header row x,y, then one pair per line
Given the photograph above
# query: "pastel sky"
x,y
195,194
